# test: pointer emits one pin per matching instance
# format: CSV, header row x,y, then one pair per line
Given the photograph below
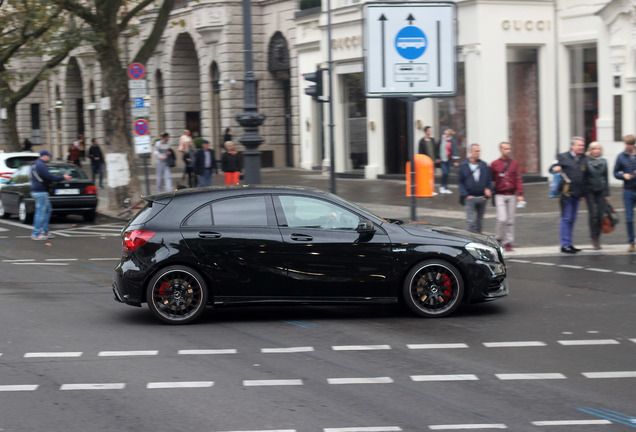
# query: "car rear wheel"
x,y
23,213
433,288
3,214
177,295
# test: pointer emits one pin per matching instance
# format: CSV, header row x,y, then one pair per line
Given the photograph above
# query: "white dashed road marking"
x,y
17,388
52,354
288,382
437,346
444,377
514,344
625,374
365,429
286,350
570,422
589,342
377,380
530,376
181,384
206,351
468,426
104,386
360,347
126,353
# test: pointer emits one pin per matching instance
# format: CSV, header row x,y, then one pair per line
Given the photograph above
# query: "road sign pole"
x,y
410,102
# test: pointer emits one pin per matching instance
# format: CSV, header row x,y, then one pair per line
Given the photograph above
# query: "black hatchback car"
x,y
192,248
75,196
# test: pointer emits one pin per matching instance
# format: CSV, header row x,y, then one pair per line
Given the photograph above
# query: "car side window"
x,y
308,212
200,218
242,211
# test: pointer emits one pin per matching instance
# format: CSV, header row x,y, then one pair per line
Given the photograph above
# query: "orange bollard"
x,y
424,176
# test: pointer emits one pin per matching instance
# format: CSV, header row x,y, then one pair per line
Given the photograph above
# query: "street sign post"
x,y
138,89
410,49
410,52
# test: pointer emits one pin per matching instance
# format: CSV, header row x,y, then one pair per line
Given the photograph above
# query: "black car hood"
x,y
439,231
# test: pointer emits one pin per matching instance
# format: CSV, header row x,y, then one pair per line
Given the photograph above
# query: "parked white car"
x,y
10,162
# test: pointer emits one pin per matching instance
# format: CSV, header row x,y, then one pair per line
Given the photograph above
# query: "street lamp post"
x,y
250,120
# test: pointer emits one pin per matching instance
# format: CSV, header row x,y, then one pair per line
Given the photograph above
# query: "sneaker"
x,y
631,248
49,235
39,237
508,247
448,191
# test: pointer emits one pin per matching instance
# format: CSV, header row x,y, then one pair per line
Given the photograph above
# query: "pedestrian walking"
x,y
625,170
427,145
597,193
448,156
97,161
571,165
188,158
205,164
74,153
508,193
227,136
27,146
162,169
40,179
231,164
184,141
475,186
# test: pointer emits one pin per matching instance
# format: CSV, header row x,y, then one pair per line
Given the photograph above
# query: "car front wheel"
x,y
433,288
23,213
177,295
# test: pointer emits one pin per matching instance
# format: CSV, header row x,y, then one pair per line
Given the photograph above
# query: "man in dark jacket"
x,y
40,177
571,165
204,164
625,170
97,161
475,186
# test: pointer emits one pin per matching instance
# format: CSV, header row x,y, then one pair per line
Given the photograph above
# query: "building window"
x,y
356,119
618,117
36,137
583,92
451,112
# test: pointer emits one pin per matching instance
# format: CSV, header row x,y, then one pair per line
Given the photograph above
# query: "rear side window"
x,y
18,161
146,213
242,211
74,172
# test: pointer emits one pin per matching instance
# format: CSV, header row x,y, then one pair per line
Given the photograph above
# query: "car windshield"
x,y
74,172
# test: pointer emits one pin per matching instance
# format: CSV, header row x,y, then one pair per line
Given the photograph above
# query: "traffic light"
x,y
315,91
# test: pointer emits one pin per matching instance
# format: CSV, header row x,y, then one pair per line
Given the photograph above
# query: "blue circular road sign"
x,y
411,42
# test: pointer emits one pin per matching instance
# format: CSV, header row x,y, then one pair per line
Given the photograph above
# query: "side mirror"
x,y
365,226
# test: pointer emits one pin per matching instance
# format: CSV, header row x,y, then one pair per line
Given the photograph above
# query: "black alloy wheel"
x,y
433,289
177,295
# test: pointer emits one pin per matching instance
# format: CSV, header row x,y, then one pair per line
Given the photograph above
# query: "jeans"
x,y
629,198
205,179
163,173
569,209
475,209
98,169
42,213
596,209
506,208
446,166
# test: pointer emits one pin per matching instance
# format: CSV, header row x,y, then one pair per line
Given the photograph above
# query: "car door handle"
x,y
209,234
301,237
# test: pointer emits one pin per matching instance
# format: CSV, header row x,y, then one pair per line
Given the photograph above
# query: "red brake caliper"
x,y
446,283
164,288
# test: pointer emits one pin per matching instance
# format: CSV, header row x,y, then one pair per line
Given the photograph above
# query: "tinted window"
x,y
74,172
18,161
201,217
307,212
244,211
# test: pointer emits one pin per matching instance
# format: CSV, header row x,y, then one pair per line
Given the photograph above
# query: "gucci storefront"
x,y
528,72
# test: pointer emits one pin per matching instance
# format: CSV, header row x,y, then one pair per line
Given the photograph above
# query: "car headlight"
x,y
483,252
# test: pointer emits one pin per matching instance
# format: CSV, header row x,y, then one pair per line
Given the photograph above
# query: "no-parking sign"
x,y
141,127
136,71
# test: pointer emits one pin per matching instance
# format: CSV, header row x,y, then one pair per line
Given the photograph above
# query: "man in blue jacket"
x,y
625,169
40,178
475,186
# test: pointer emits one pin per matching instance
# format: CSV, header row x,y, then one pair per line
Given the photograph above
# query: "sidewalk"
x,y
537,225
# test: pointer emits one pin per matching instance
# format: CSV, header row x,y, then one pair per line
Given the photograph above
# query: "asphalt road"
x,y
556,355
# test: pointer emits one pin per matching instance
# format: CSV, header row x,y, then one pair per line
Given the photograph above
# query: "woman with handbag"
x,y
597,190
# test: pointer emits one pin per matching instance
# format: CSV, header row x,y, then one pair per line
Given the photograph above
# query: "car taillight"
x,y
136,238
90,190
6,175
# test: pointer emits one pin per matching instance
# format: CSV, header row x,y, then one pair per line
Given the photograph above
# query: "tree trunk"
x,y
13,139
117,126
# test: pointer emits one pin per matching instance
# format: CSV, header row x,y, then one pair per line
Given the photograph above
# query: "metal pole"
x,y
146,158
250,120
332,179
410,101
